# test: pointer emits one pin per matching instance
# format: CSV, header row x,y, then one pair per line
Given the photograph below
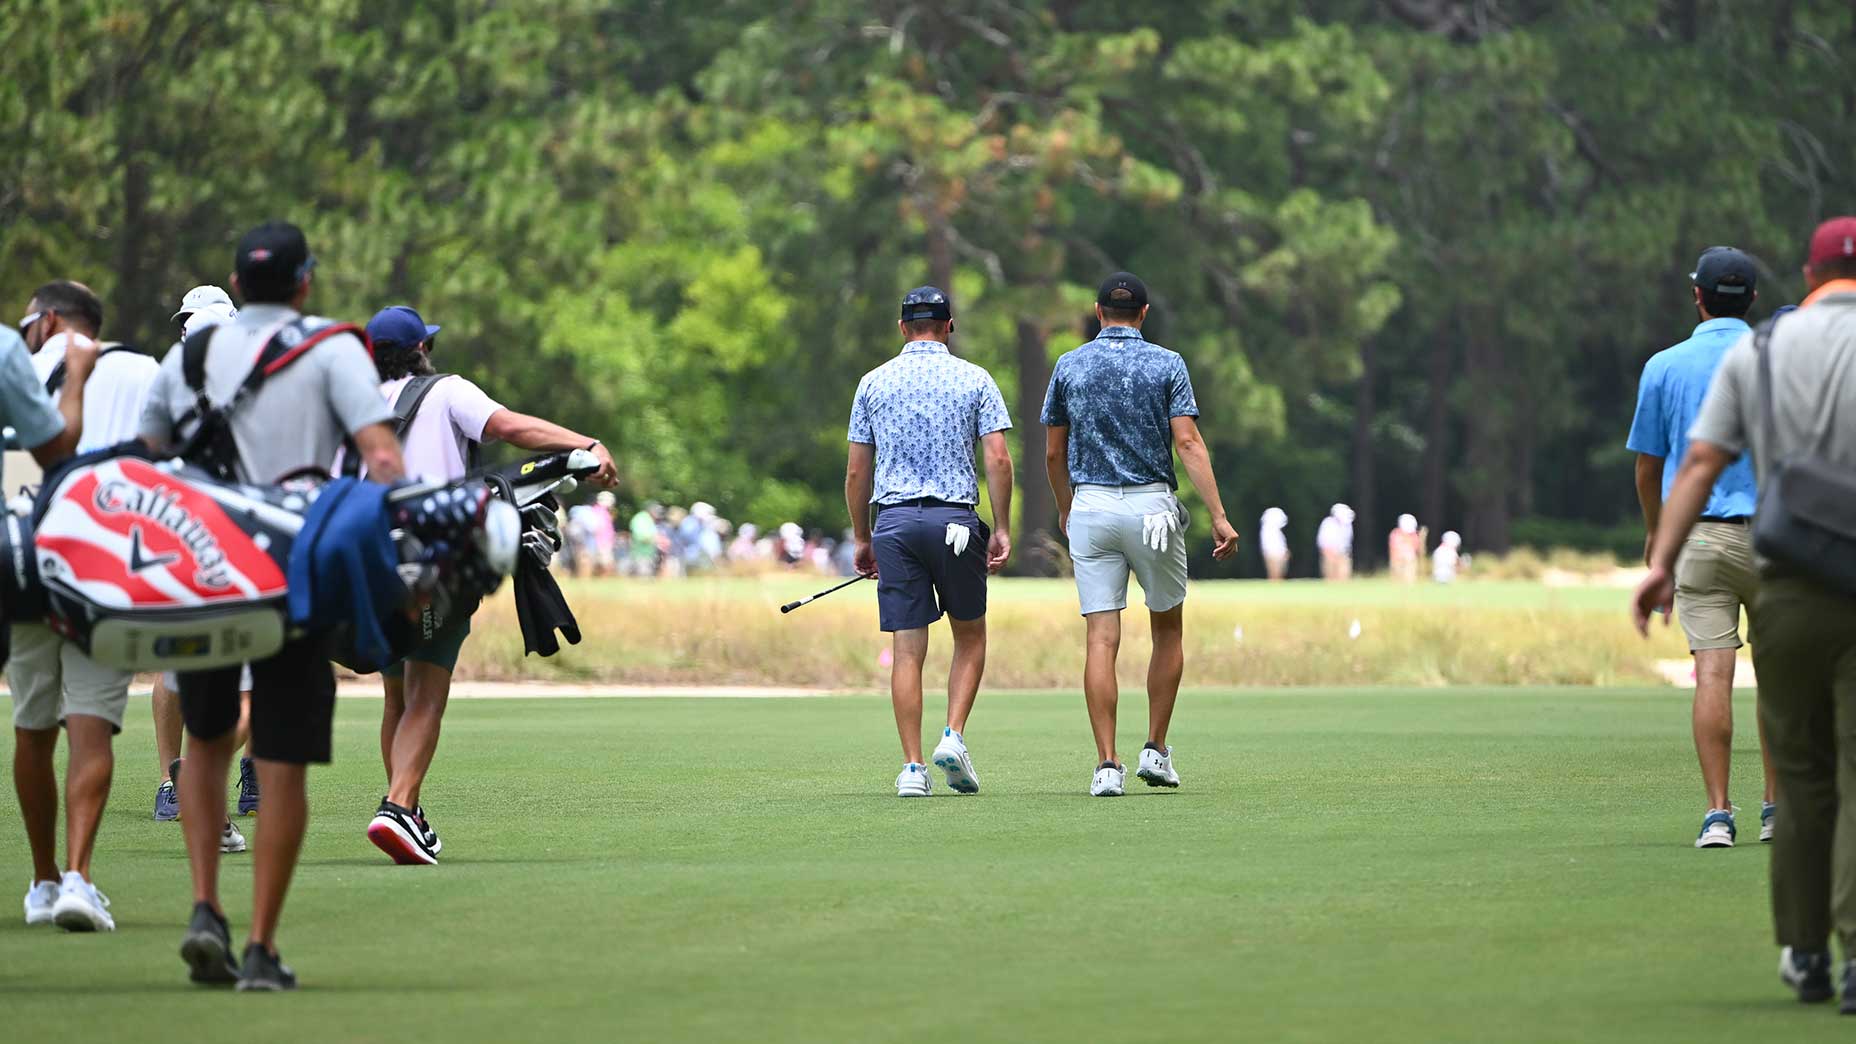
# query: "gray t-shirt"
x,y
24,406
1813,354
300,416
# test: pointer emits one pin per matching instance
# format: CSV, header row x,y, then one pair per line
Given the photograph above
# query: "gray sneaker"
x,y
207,948
264,970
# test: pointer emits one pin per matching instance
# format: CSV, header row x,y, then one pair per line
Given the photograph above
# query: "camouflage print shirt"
x,y
1118,395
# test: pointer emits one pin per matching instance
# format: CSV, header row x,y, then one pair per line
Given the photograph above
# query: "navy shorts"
x,y
919,578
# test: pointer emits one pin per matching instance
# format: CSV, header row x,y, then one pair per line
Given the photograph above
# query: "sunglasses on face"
x,y
26,324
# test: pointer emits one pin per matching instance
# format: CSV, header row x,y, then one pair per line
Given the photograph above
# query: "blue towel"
x,y
343,567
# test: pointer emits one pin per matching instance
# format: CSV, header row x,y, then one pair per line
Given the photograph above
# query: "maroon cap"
x,y
1834,240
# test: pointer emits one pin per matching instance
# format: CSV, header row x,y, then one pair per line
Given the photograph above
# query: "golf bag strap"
x,y
406,404
55,379
278,352
406,407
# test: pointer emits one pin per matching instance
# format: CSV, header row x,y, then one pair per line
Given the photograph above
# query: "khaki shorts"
x,y
52,679
1715,578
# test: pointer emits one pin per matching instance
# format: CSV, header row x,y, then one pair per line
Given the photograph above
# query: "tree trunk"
x,y
1365,488
1437,431
1037,513
134,310
1485,484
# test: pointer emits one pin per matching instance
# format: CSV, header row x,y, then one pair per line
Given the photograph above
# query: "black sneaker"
x,y
247,788
207,948
264,970
1809,975
398,831
431,836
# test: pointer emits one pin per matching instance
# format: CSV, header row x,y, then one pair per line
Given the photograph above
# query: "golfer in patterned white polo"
x,y
913,427
1116,410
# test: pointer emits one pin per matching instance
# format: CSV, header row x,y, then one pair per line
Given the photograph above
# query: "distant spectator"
x,y
1446,559
1273,544
1404,547
644,541
792,544
1335,541
745,546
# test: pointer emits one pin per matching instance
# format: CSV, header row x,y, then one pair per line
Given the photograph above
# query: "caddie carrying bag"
x,y
1806,521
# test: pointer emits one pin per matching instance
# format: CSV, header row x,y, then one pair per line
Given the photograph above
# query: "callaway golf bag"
x,y
157,565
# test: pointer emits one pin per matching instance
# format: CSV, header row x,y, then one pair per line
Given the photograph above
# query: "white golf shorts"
x,y
1108,540
52,678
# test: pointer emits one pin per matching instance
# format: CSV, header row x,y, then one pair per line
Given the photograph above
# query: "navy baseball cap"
x,y
926,302
398,324
1724,270
1123,290
274,254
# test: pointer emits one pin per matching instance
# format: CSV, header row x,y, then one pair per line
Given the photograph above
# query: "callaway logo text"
x,y
159,506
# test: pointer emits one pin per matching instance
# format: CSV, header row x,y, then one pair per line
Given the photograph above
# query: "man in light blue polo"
x,y
914,424
1715,574
1115,411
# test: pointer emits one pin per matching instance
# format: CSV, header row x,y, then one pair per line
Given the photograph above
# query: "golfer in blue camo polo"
x,y
1116,410
913,426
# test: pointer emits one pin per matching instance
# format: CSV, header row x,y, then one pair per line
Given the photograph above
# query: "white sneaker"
x,y
913,782
1157,768
1717,830
1108,781
230,840
40,898
80,907
1768,817
952,758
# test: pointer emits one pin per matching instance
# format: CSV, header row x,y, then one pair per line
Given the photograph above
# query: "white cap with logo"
x,y
203,298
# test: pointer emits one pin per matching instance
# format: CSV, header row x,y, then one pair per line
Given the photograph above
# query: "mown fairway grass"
x,y
1366,865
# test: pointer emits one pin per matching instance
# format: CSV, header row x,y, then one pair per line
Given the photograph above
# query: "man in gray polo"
x,y
914,424
1806,621
51,432
296,420
1115,411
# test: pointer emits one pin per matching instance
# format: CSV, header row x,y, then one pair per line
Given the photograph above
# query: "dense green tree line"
x,y
1415,250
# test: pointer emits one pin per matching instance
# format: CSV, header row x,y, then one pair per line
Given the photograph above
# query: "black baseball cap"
x,y
1724,270
1123,290
274,255
926,302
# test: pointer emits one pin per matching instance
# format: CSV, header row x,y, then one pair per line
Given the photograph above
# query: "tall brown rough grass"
x,y
731,633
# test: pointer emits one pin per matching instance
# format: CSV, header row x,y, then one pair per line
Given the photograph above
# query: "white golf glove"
x,y
957,537
1156,529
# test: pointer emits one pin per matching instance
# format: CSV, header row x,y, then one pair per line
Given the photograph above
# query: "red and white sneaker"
x,y
397,832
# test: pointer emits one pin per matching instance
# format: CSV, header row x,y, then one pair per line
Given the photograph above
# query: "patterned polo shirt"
x,y
1118,395
923,411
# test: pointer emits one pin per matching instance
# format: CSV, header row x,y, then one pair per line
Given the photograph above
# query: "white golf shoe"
x,y
951,756
1717,830
40,899
80,907
1108,781
913,782
230,840
1157,768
